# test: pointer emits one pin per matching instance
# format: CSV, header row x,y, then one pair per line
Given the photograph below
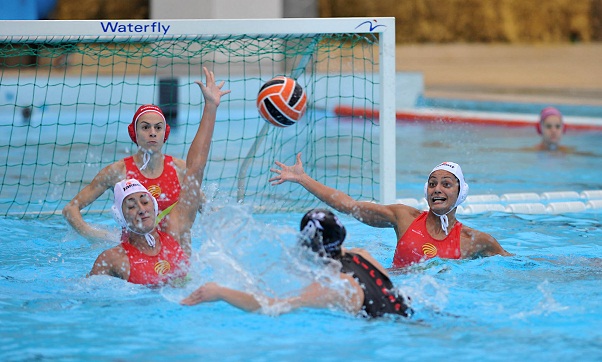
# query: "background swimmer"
x,y
551,127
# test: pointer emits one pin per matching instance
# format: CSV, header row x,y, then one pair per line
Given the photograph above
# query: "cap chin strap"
x,y
145,159
150,239
444,220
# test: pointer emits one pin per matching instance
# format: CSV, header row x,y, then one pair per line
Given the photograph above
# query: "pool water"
x,y
541,304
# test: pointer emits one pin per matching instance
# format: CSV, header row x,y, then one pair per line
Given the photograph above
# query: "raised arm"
x,y
104,180
191,196
366,212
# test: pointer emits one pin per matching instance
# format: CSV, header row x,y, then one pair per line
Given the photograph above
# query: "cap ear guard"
x,y
117,215
132,132
463,194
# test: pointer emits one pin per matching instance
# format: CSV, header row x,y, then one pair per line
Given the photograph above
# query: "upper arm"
x,y
482,244
104,180
180,166
318,296
395,215
184,213
112,262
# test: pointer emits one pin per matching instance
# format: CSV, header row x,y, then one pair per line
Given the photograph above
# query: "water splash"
x,y
263,259
548,305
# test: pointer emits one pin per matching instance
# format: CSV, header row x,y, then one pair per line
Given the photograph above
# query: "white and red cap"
x,y
121,191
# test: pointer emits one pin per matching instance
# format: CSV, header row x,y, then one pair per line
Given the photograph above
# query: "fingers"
x,y
209,75
276,180
188,301
195,297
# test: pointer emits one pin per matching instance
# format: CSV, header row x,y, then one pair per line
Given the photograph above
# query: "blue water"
x,y
542,304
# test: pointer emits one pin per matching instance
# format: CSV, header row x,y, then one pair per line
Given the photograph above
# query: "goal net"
x,y
68,90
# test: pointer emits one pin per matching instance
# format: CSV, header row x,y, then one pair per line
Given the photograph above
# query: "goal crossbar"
x,y
36,35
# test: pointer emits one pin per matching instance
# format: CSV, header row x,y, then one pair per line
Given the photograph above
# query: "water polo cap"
x,y
122,190
323,232
545,113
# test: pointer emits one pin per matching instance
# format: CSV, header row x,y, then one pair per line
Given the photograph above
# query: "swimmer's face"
x,y
139,212
442,191
551,130
150,131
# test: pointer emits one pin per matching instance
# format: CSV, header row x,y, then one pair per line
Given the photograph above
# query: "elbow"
x,y
70,210
67,211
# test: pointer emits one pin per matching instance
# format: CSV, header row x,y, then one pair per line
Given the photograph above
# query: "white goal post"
x,y
111,92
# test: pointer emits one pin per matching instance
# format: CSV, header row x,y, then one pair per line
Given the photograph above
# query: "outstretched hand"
x,y
211,92
292,173
205,293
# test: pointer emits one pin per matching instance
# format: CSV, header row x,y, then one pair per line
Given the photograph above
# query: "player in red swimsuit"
x,y
160,174
148,255
420,235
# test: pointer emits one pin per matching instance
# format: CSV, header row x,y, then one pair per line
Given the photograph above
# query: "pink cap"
x,y
549,111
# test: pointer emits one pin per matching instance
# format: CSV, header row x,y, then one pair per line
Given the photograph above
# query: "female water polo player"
x,y
420,235
161,174
372,292
551,127
147,254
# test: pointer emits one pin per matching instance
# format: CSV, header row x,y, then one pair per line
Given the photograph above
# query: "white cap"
x,y
122,190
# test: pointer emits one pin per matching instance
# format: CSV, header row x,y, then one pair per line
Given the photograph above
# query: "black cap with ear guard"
x,y
323,232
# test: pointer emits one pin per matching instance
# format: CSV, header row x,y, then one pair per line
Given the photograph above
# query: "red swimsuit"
x,y
165,188
170,263
416,245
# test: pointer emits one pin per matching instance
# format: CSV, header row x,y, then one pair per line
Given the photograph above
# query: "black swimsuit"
x,y
379,296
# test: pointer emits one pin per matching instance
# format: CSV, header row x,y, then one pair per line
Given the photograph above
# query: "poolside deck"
x,y
556,74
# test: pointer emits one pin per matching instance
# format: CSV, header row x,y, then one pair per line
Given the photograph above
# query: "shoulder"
x,y
475,243
178,163
405,215
404,211
107,177
115,253
567,149
113,173
369,258
112,262
474,234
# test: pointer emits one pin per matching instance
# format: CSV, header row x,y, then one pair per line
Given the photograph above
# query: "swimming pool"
x,y
542,304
